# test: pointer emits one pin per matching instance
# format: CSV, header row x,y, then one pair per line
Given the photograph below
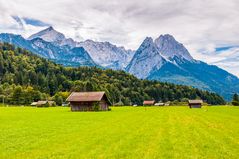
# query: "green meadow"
x,y
123,132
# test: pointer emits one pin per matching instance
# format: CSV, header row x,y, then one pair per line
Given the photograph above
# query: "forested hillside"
x,y
25,77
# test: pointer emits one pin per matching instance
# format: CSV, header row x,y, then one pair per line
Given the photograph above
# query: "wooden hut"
x,y
88,101
148,102
42,103
195,103
159,104
34,104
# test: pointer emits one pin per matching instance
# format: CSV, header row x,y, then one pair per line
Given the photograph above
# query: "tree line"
x,y
25,77
235,100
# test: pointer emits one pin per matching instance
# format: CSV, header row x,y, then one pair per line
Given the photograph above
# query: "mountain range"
x,y
163,59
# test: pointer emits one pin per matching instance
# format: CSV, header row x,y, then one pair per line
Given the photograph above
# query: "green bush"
x,y
53,104
119,104
235,103
46,105
96,106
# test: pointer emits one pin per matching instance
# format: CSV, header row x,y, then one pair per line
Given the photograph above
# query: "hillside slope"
x,y
20,67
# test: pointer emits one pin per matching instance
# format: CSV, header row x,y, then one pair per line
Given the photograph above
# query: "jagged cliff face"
x,y
146,58
152,55
107,54
171,49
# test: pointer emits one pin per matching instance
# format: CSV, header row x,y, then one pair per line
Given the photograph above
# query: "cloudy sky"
x,y
203,26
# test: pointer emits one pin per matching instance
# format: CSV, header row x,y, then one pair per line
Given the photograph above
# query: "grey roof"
x,y
198,101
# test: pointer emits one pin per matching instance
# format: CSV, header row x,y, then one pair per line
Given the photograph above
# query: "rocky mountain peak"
x,y
146,59
167,37
51,35
148,40
171,49
50,28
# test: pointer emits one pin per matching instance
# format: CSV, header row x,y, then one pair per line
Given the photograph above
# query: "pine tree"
x,y
235,100
235,97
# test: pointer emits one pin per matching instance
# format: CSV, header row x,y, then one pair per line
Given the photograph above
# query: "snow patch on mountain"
x,y
170,48
107,54
53,36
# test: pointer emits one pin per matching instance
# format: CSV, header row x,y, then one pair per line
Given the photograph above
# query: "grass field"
x,y
126,132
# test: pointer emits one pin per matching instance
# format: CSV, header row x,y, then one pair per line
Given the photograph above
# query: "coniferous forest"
x,y
25,77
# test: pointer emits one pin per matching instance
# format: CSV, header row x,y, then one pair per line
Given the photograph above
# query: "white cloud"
x,y
201,25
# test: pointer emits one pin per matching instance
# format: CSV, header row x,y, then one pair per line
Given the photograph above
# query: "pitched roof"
x,y
41,102
85,96
51,102
34,103
149,102
195,101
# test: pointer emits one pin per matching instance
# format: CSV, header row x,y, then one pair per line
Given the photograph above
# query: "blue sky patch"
x,y
35,22
18,20
30,21
223,48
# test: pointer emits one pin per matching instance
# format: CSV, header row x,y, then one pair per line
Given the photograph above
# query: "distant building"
x,y
88,101
42,103
34,104
149,102
159,104
65,104
195,103
167,103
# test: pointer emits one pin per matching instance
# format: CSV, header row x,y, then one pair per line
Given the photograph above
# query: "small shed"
x,y
88,101
159,104
42,103
148,102
34,104
195,103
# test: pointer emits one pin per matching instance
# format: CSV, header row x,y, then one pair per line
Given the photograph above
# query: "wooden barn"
x,y
148,102
88,101
43,103
195,103
159,104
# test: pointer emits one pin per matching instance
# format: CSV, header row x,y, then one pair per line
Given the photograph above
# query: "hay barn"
x,y
148,102
195,103
88,101
45,103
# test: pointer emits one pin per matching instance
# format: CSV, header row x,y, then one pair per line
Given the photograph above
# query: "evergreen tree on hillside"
x,y
235,99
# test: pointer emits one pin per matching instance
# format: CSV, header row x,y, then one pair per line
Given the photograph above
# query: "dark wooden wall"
x,y
195,105
88,106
